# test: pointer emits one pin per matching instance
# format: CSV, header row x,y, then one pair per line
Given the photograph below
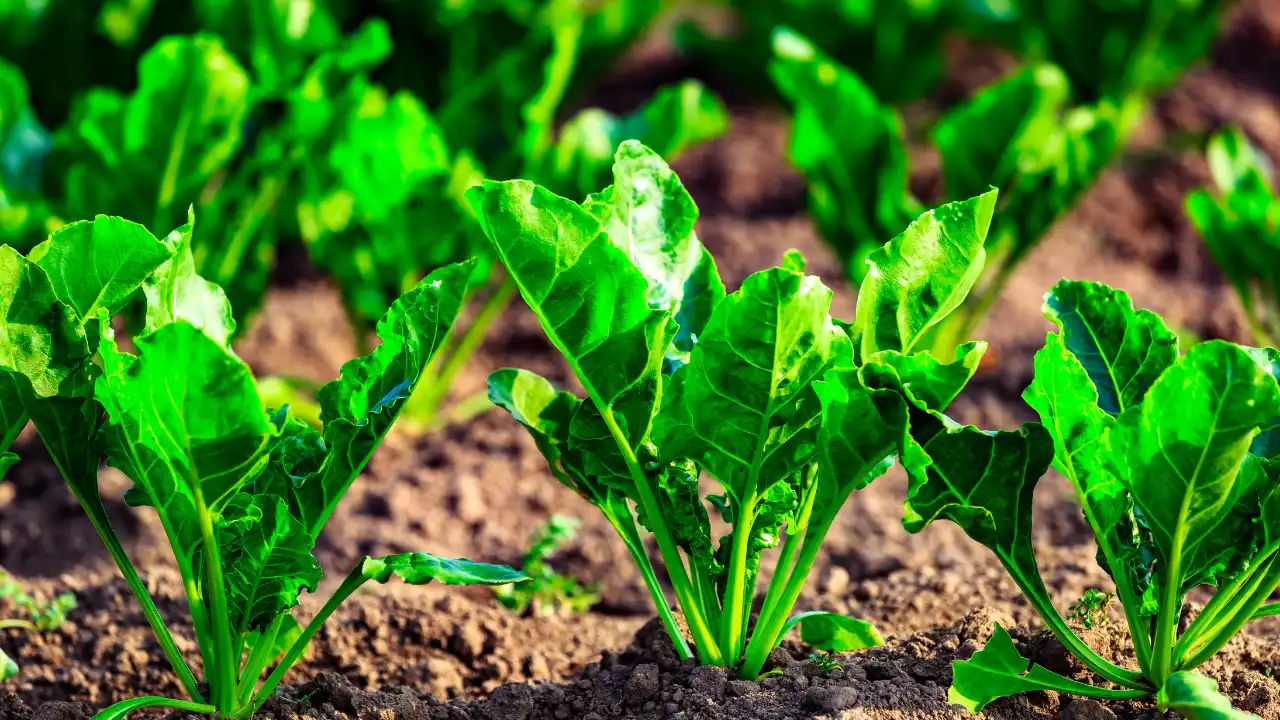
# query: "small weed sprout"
x,y
41,616
548,592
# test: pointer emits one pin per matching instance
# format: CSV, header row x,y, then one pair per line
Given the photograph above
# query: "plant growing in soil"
x,y
1241,225
786,407
1022,134
269,121
547,591
241,491
1176,462
40,616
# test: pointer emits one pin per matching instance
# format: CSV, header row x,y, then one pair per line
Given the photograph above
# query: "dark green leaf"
x,y
648,213
1180,451
1123,350
40,337
97,265
360,406
592,302
185,424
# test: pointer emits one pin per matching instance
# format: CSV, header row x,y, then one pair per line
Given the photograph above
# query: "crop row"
x,y
1174,452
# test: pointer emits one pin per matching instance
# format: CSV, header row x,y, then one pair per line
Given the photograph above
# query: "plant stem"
x,y
259,656
703,639
733,618
16,624
790,546
1267,611
222,676
97,513
1257,591
1207,618
626,527
1166,619
349,585
769,630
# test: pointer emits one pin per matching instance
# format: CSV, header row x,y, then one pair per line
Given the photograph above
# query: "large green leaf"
x,y
185,424
1123,350
998,670
266,560
743,407
40,337
922,275
360,406
648,213
97,265
857,180
1179,453
592,302
1067,402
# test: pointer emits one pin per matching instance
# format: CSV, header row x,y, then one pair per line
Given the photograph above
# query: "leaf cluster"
x,y
286,121
1174,459
1241,225
1043,133
241,490
787,408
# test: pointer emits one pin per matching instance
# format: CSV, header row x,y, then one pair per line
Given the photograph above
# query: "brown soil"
x,y
480,488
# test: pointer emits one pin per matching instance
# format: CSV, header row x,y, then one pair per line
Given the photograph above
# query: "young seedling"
x,y
39,616
1091,609
1176,462
548,592
241,491
760,388
1241,224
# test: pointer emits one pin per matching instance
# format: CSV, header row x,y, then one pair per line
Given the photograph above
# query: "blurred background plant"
x,y
19,611
548,592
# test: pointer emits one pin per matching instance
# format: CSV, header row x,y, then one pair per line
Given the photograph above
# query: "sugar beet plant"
x,y
789,409
269,120
1176,462
1241,224
241,491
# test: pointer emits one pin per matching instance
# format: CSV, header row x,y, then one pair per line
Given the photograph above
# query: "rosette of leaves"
x,y
1023,134
25,218
1174,459
1241,225
760,388
241,491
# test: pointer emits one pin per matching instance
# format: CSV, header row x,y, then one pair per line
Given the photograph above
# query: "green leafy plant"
x,y
241,491
760,388
1115,49
1091,609
548,592
40,616
266,117
896,47
1174,459
1022,134
1241,224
